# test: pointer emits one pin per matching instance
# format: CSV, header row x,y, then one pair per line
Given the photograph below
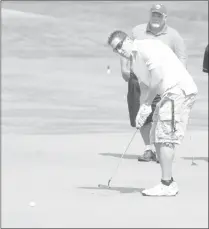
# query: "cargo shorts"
x,y
171,117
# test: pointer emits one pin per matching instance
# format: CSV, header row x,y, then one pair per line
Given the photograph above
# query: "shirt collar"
x,y
163,31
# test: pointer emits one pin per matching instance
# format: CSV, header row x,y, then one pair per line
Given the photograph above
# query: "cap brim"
x,y
157,11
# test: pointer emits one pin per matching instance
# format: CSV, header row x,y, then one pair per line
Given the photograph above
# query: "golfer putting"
x,y
165,76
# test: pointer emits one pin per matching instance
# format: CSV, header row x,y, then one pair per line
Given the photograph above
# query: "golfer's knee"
x,y
170,145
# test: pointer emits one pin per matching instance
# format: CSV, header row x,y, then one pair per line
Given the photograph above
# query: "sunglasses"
x,y
118,46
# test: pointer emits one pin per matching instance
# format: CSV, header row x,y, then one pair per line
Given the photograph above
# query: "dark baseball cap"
x,y
159,8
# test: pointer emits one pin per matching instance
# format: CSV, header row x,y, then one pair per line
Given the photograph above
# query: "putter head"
x,y
193,163
105,186
102,186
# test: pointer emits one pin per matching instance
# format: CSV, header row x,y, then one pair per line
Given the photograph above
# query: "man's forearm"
x,y
155,81
125,68
126,76
180,49
152,92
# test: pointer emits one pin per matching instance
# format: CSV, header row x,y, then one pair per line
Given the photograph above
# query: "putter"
x,y
108,184
193,163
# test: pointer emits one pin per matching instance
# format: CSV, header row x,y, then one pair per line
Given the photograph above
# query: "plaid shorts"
x,y
169,123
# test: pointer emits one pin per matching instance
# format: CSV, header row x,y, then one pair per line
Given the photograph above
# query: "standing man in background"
x,y
156,28
205,61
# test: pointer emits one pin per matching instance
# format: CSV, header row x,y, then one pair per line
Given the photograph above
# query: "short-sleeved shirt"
x,y
205,60
155,54
167,35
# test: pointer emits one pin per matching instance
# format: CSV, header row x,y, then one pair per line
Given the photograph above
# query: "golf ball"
x,y
32,204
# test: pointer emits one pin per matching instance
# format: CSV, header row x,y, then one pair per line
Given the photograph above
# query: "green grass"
x,y
54,63
81,28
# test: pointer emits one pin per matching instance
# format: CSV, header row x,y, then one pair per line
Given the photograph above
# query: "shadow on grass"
x,y
126,156
135,157
196,158
119,189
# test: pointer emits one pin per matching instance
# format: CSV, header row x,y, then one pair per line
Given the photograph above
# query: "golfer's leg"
x,y
145,133
165,153
164,138
145,130
166,150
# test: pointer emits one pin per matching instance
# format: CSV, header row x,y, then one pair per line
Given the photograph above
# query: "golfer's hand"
x,y
143,113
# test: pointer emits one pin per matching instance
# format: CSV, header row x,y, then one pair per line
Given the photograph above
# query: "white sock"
x,y
150,147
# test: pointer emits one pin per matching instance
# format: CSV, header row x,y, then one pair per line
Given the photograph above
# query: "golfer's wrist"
x,y
147,104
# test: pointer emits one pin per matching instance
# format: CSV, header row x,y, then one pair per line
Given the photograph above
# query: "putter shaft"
x,y
122,157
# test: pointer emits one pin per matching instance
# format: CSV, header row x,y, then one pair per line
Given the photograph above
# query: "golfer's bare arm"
x,y
125,68
125,63
156,79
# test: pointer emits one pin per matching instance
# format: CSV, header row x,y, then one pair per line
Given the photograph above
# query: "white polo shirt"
x,y
149,54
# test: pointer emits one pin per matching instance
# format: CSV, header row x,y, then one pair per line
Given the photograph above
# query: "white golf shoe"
x,y
162,190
